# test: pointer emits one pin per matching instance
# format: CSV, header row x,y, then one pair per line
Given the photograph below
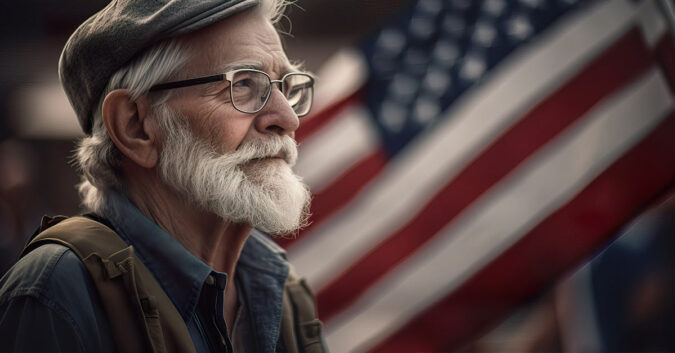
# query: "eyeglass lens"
x,y
251,89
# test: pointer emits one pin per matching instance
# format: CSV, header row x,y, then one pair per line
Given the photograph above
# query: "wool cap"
x,y
122,30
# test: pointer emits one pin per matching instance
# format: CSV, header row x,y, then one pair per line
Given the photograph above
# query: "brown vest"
x,y
142,317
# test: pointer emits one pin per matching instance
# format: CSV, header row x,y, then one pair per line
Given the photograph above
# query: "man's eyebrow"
x,y
258,65
241,65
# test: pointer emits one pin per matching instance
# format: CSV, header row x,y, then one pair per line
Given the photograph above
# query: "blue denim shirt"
x,y
48,302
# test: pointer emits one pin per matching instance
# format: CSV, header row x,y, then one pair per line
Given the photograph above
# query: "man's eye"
x,y
244,83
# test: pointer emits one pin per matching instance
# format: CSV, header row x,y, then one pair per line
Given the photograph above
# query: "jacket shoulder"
x,y
52,275
43,272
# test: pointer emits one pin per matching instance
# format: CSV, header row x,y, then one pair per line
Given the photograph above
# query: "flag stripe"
x,y
665,55
565,239
341,192
508,211
341,74
315,122
332,150
347,187
618,66
414,176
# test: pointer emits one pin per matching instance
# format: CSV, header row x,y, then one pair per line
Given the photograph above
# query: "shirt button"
x,y
210,280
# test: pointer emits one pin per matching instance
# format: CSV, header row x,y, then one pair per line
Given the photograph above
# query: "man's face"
x,y
245,40
224,160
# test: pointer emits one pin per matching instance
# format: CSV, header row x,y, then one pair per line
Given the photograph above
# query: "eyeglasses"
x,y
250,89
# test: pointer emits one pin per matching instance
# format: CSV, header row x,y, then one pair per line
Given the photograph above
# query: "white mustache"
x,y
271,147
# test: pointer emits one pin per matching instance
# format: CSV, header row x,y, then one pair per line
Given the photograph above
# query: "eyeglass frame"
x,y
228,76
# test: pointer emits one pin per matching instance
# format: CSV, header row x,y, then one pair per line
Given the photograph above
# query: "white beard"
x,y
238,186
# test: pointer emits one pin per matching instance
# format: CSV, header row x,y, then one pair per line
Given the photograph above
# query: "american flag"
x,y
471,153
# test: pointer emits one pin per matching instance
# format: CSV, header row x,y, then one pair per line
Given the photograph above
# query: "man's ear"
x,y
131,128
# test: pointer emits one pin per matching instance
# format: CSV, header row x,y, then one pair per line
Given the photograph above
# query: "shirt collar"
x,y
263,254
179,272
262,271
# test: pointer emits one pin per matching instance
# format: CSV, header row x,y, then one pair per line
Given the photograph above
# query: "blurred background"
x,y
488,176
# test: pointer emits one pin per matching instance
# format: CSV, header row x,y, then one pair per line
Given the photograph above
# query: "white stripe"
x,y
544,183
413,178
347,138
340,76
650,19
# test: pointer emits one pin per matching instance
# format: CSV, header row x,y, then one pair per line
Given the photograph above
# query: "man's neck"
x,y
215,241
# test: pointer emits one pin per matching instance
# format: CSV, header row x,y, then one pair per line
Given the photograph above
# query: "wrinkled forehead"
x,y
248,39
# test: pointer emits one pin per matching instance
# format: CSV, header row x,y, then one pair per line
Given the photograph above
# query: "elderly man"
x,y
190,109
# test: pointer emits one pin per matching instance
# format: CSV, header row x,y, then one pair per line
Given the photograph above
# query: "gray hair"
x,y
96,156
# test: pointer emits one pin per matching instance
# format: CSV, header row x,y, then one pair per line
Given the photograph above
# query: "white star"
x,y
445,53
429,6
494,7
531,3
484,34
437,81
403,87
519,27
473,67
461,4
391,41
392,116
426,110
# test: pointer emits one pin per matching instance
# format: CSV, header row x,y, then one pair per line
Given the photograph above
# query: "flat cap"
x,y
115,35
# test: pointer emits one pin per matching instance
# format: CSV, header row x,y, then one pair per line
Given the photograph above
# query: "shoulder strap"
x,y
142,317
300,327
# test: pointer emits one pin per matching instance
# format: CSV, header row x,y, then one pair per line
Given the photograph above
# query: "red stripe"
x,y
616,67
311,124
665,56
567,237
339,193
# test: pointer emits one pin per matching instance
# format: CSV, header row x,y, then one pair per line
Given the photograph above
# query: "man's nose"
x,y
278,116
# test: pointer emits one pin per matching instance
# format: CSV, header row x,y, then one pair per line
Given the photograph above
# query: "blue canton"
x,y
423,61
